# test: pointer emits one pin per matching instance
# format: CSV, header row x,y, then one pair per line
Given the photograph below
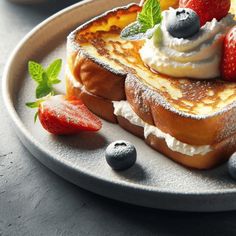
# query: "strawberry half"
x,y
228,63
58,114
207,10
62,117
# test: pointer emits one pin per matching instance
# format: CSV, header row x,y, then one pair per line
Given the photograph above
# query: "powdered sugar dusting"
x,y
192,99
152,94
228,123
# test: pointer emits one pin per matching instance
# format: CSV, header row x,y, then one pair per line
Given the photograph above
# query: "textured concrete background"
x,y
34,201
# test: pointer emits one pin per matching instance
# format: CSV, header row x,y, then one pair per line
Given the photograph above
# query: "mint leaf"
x,y
36,116
54,69
157,36
44,88
134,31
45,79
33,104
54,81
146,23
35,71
150,14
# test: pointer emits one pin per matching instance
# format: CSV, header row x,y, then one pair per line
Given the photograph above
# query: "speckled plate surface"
x,y
155,181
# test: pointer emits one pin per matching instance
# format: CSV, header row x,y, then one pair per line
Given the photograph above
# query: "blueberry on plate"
x,y
121,155
183,23
232,166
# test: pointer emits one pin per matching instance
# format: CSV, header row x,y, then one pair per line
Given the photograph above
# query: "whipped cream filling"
x,y
197,57
122,108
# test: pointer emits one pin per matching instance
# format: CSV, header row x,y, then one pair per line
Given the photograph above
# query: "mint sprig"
x,y
45,78
35,71
54,69
150,14
146,23
44,87
34,105
134,31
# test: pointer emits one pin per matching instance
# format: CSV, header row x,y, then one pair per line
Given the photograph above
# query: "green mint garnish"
x,y
54,69
44,87
36,116
34,104
134,31
35,71
150,14
157,35
147,19
45,79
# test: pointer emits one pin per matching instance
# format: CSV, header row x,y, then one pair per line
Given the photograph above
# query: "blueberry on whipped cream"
x,y
183,23
197,56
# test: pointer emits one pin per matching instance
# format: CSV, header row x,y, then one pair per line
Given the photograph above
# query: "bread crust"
x,y
104,84
101,84
221,152
104,108
147,105
100,106
147,102
95,79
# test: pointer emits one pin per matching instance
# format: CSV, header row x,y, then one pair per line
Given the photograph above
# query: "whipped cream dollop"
x,y
122,108
196,57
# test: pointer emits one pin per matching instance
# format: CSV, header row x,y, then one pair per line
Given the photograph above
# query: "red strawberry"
x,y
207,9
61,116
58,114
228,63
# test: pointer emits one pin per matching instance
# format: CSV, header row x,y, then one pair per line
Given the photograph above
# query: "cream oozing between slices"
x,y
123,109
197,57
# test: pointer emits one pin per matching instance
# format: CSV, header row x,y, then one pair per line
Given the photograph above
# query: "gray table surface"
x,y
35,201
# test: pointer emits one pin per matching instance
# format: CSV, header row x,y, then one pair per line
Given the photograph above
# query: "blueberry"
x,y
232,166
183,23
121,155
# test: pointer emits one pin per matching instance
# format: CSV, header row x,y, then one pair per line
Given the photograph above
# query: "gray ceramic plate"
x,y
155,181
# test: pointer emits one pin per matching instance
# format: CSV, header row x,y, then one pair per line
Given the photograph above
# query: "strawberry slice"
x,y
62,117
58,114
207,9
228,63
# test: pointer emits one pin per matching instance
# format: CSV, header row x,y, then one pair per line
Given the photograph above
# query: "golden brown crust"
x,y
134,129
98,105
104,84
104,108
96,79
157,105
100,41
186,129
100,85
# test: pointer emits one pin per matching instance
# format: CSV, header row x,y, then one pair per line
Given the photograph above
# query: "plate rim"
x,y
25,135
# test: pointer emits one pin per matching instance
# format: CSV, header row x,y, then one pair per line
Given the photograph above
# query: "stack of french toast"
x,y
191,121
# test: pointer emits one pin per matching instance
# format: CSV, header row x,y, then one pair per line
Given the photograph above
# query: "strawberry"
x,y
207,9
61,116
58,114
228,63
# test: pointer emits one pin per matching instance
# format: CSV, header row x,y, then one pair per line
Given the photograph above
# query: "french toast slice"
x,y
103,68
